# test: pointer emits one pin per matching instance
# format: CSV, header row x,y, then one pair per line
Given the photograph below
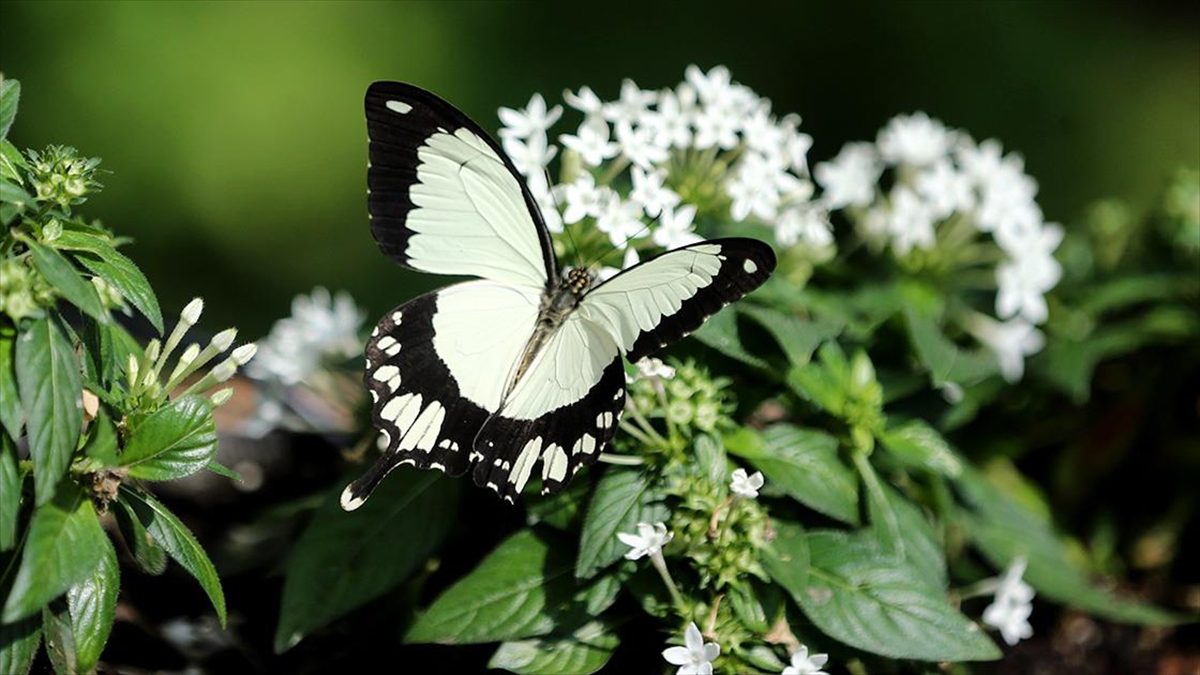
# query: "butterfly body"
x,y
517,374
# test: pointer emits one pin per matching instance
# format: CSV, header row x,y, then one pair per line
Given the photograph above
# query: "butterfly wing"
x,y
443,196
565,410
661,300
436,371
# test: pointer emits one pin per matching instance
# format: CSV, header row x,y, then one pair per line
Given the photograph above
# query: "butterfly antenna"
x,y
635,235
565,226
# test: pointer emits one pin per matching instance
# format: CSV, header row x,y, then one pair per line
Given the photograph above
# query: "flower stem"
x,y
623,460
660,564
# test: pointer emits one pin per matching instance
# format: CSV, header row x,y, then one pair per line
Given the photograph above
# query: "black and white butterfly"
x,y
518,373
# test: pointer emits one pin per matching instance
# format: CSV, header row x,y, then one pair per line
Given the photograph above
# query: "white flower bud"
x,y
132,369
191,313
152,350
188,355
221,397
224,370
222,340
243,354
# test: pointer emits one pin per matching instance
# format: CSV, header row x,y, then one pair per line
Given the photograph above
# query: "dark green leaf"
x,y
622,500
149,556
101,444
11,479
1004,530
11,162
64,544
798,338
10,399
223,471
819,386
18,644
178,541
522,589
711,459
805,465
343,560
787,560
864,597
58,638
920,446
117,269
177,440
12,194
585,651
92,604
946,361
602,593
51,389
721,333
562,510
10,94
918,543
67,281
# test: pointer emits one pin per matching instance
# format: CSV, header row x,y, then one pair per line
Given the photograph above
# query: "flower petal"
x,y
677,655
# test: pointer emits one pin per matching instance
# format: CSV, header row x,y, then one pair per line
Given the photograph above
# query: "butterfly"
x,y
519,372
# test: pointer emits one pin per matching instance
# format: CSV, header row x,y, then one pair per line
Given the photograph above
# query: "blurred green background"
x,y
236,142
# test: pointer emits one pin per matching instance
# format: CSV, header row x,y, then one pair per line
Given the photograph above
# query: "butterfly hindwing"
x,y
443,196
661,300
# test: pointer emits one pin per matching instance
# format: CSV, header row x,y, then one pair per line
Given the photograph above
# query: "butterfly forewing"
x,y
444,198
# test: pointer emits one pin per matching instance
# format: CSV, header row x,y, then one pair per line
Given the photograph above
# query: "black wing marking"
x,y
401,119
554,446
417,408
663,299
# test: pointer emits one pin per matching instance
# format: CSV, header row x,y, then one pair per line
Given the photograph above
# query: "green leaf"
x,y
798,338
721,333
946,361
344,560
18,644
11,479
918,543
602,593
562,510
522,589
58,638
10,94
787,560
11,162
819,386
177,440
11,193
92,604
1004,530
51,389
585,651
149,556
920,446
178,541
10,399
711,459
117,269
863,597
64,544
805,464
223,471
67,280
622,500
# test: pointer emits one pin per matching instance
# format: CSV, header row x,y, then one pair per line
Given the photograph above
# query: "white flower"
x,y
530,156
675,227
321,328
1010,341
671,123
647,542
1021,282
631,105
546,204
531,120
592,142
744,485
620,220
1010,610
638,146
914,139
849,179
584,198
1007,197
910,222
648,366
650,192
800,224
796,144
764,136
696,657
945,189
716,126
754,188
586,101
715,86
803,664
980,162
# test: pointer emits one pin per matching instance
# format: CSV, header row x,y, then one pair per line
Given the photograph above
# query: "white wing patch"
x,y
637,300
480,331
470,215
399,107
564,371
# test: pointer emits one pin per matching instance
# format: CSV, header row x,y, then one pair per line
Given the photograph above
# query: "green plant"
x,y
89,414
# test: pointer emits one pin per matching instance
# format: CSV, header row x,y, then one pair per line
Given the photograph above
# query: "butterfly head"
x,y
579,280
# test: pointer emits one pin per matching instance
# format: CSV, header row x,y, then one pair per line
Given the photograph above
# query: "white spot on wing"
x,y
554,464
524,464
399,107
349,501
750,266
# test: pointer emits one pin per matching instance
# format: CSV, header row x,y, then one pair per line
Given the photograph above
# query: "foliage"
x,y
88,413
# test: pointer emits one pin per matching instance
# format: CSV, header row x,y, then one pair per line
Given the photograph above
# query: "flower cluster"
x,y
22,291
322,328
921,183
644,168
58,175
